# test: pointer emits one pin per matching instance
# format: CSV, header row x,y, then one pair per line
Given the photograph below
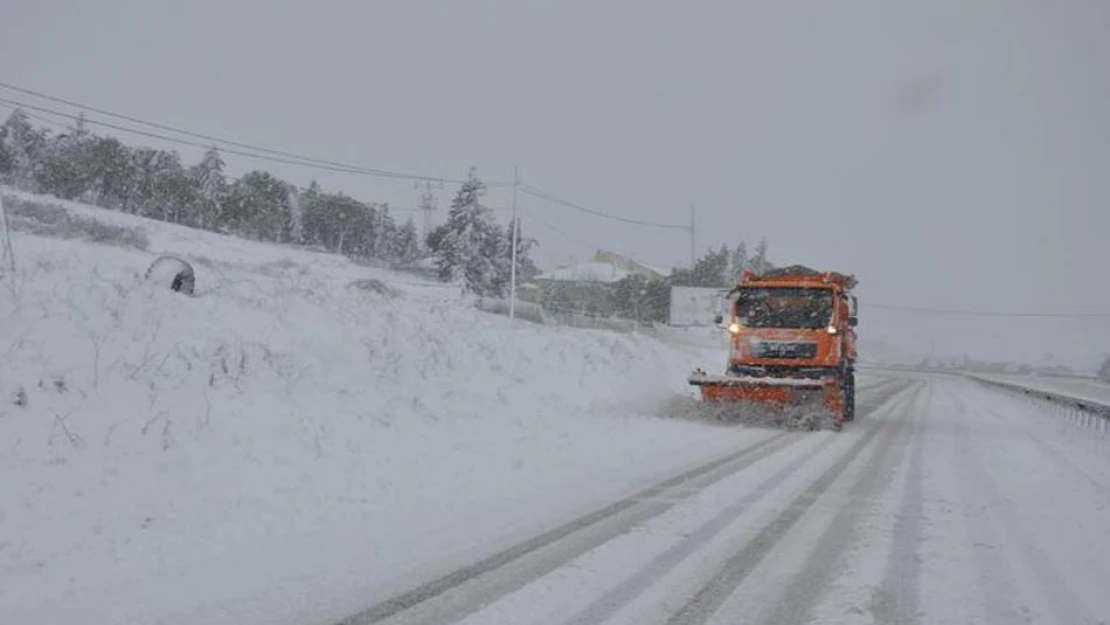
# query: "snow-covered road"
x,y
946,502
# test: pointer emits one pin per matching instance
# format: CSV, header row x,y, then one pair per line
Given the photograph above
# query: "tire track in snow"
x,y
610,603
702,606
614,600
806,589
678,487
1004,527
997,581
454,589
896,600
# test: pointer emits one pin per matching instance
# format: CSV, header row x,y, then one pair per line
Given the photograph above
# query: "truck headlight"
x,y
734,328
831,329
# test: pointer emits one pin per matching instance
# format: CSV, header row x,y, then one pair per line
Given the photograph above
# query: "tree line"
x,y
638,297
470,249
79,165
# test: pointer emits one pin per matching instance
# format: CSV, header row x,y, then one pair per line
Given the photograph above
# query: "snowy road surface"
x,y
945,502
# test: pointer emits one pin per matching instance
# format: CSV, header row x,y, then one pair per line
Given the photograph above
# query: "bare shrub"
x,y
370,285
53,220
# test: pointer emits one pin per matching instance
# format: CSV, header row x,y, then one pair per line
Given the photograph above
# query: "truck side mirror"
x,y
853,322
718,319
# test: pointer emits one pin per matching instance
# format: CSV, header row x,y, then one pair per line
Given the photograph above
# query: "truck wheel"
x,y
850,396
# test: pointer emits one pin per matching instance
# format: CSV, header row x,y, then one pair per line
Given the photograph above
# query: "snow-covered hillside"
x,y
241,455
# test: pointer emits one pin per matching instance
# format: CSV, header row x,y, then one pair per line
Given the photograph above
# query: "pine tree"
x,y
176,193
255,206
526,269
337,221
383,233
739,261
759,261
309,203
470,246
212,182
711,270
296,215
25,146
406,245
366,230
1104,370
157,181
110,173
7,159
496,263
64,170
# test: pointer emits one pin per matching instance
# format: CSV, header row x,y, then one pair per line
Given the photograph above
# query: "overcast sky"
x,y
951,153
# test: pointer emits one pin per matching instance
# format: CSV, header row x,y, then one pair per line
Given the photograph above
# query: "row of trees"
x,y
723,267
98,170
650,300
471,249
646,300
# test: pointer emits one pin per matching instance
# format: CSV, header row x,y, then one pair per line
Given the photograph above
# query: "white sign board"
x,y
696,306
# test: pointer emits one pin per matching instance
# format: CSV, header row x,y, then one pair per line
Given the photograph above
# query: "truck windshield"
x,y
784,307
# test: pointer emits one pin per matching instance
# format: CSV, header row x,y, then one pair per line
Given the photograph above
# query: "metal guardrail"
x,y
1098,411
1061,399
968,371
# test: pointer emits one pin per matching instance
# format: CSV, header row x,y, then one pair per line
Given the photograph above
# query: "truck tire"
x,y
850,395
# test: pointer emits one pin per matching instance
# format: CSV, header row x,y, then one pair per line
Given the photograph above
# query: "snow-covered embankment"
x,y
283,444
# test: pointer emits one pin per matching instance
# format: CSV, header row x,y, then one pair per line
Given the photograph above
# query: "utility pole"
x,y
516,234
693,245
7,257
427,204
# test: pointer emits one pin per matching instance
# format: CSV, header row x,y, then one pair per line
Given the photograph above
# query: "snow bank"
x,y
282,448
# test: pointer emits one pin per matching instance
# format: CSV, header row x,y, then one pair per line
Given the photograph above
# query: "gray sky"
x,y
951,153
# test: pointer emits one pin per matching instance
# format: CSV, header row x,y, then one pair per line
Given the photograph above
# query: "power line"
x,y
40,118
560,231
417,209
46,120
280,156
322,163
543,195
579,240
154,135
979,313
13,105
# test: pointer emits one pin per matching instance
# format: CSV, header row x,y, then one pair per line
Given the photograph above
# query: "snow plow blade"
x,y
772,392
734,388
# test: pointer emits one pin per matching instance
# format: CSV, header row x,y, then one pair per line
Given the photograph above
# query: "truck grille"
x,y
783,349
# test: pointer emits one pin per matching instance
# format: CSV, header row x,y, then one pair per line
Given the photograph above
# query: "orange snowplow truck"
x,y
792,339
